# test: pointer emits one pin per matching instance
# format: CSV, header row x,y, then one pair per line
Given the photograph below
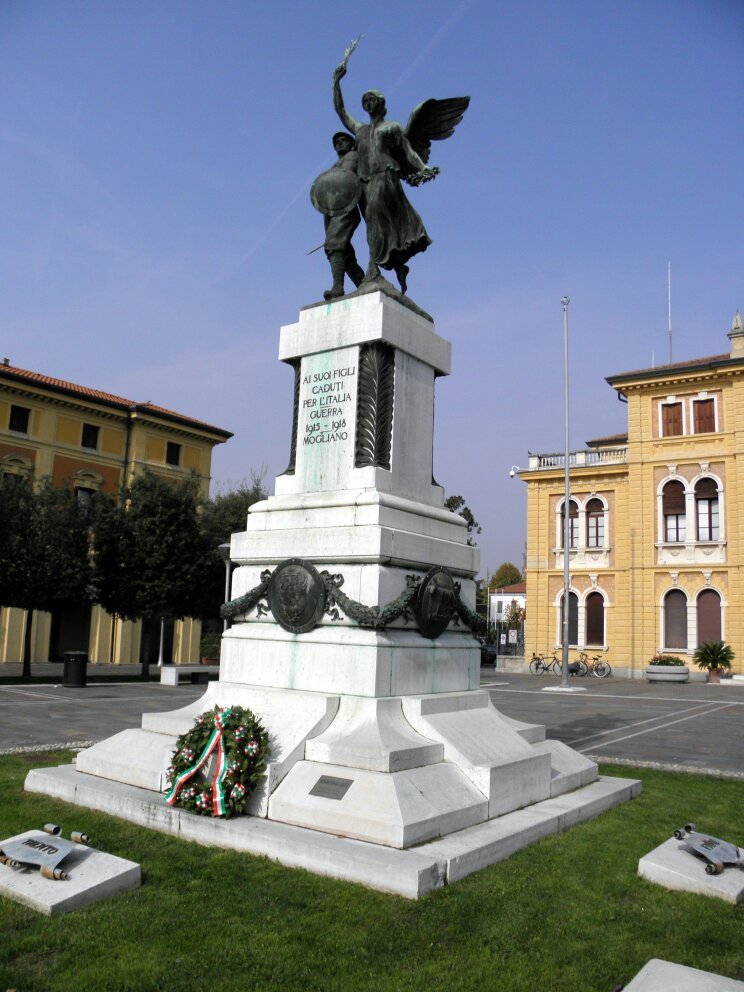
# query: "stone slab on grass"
x,y
673,866
665,976
93,876
410,873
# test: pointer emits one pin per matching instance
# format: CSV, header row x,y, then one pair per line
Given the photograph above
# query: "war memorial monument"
x,y
353,612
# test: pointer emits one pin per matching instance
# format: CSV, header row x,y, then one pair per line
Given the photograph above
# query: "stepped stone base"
x,y
411,873
410,768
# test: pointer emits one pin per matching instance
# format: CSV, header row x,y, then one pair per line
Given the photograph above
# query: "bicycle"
x,y
574,667
597,665
538,665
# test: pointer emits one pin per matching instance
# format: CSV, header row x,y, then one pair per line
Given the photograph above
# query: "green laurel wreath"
x,y
246,747
377,617
244,604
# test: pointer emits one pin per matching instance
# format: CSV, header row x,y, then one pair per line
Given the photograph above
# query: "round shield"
x,y
336,192
297,595
435,603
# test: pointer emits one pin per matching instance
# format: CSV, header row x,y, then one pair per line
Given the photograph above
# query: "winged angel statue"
x,y
386,154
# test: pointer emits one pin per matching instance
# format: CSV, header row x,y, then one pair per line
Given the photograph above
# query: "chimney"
x,y
6,362
736,335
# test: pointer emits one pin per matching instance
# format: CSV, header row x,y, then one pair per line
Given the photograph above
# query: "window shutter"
x,y
675,619
671,419
709,616
704,413
573,619
706,489
594,619
673,498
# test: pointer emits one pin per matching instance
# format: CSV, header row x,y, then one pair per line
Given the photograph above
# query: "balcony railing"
x,y
578,459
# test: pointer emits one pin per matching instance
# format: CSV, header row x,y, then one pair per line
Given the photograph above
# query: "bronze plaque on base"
x,y
331,787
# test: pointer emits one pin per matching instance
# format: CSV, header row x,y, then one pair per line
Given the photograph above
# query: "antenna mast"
x,y
669,307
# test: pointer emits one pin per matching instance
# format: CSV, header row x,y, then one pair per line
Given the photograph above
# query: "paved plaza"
x,y
694,726
36,716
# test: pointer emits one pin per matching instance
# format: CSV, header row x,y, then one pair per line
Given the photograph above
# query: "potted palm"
x,y
209,649
714,657
666,668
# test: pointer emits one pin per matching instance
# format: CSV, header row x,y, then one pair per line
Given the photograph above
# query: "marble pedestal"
x,y
379,736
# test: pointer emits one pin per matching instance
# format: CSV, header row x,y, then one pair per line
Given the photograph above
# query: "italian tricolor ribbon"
x,y
216,740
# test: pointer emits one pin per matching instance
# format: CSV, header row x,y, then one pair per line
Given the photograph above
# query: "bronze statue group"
x,y
366,182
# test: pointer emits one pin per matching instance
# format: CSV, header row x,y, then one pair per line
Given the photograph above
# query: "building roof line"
x,y
14,374
691,365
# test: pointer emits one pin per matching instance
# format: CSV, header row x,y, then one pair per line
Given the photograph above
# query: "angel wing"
x,y
434,120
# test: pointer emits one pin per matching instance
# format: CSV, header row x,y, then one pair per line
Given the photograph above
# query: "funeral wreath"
x,y
217,765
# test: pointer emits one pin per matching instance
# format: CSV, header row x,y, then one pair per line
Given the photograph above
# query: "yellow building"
x,y
655,542
93,441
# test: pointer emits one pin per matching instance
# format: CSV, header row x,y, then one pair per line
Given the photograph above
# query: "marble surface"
x,y
92,876
665,976
673,866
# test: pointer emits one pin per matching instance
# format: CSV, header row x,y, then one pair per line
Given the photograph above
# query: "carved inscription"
x,y
326,398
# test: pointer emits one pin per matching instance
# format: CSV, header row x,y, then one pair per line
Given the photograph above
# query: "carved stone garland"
x,y
375,617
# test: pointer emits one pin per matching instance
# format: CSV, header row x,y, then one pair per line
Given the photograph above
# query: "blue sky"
x,y
157,159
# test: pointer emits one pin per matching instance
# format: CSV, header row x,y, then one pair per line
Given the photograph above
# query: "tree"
x,y
457,505
481,594
222,516
44,552
151,552
514,614
227,512
506,574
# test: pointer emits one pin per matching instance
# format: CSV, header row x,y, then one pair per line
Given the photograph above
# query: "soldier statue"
x,y
336,195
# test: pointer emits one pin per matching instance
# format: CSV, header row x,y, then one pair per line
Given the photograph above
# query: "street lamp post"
x,y
224,553
162,641
566,508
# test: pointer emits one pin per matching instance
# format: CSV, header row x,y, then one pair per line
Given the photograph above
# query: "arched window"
x,y
708,616
595,634
673,508
595,532
86,485
675,619
706,509
15,467
573,524
573,619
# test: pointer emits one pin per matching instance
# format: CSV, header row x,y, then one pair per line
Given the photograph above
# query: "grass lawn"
x,y
567,915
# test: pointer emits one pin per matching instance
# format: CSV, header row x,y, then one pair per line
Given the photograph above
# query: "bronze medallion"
x,y
297,595
435,603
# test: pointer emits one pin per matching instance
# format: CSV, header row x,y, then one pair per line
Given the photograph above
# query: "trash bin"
x,y
76,663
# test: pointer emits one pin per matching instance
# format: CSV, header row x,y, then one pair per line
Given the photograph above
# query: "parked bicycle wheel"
x,y
602,669
583,668
535,665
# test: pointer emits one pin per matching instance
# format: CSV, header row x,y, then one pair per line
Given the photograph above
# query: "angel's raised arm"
x,y
338,101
